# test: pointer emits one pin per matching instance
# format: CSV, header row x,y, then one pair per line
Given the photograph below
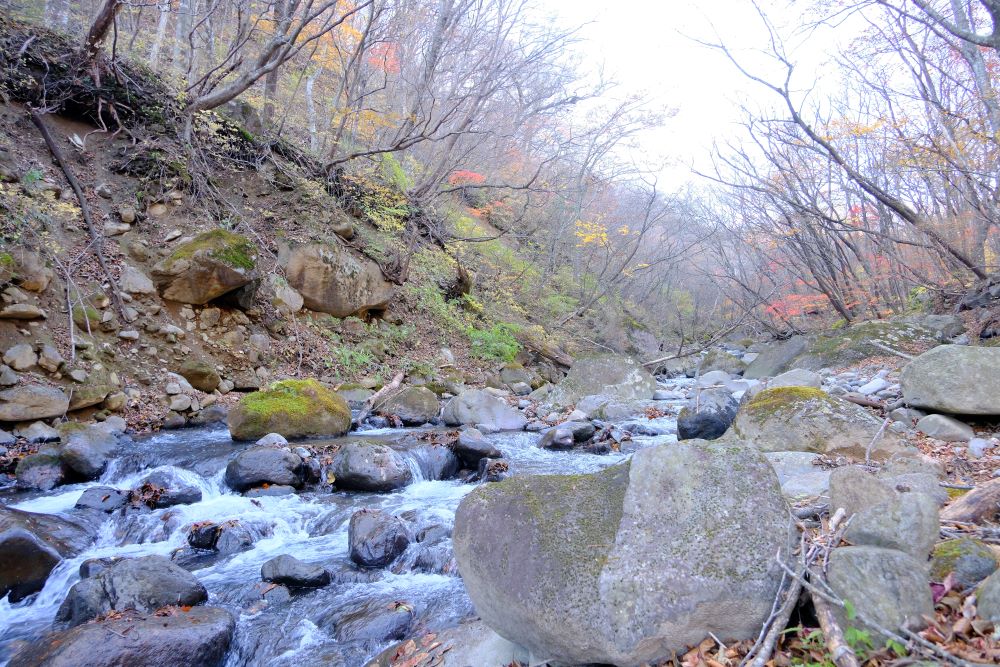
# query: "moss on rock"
x,y
293,408
970,560
231,249
770,402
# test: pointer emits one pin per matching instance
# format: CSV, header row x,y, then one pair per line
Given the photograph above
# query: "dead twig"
x,y
374,399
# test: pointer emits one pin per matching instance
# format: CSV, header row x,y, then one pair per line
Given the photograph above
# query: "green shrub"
x,y
496,343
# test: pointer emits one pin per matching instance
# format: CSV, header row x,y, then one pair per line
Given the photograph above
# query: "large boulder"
x,y
628,565
211,264
200,374
472,446
720,360
361,465
32,401
707,416
776,358
87,451
954,378
292,408
290,571
475,406
335,280
41,470
144,584
263,465
194,637
806,419
413,405
376,538
616,377
31,545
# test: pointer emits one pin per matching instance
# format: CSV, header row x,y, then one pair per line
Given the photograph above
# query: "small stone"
x,y
38,432
978,447
115,402
126,214
131,334
103,190
172,235
78,375
210,317
180,403
173,388
22,311
872,386
50,359
272,440
116,229
157,210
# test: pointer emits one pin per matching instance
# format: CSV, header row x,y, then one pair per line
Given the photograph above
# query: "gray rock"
x,y
908,416
968,560
369,466
659,564
290,571
22,311
856,490
776,358
475,406
942,427
88,451
473,446
707,416
885,585
20,357
797,377
520,388
40,471
470,643
713,378
38,432
198,637
102,498
375,621
31,545
49,359
978,446
413,405
31,402
264,465
376,538
272,440
917,482
557,438
908,522
6,438
171,488
144,584
720,360
613,376
956,379
8,377
988,598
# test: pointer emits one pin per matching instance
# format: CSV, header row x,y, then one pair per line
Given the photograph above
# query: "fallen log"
x,y
980,505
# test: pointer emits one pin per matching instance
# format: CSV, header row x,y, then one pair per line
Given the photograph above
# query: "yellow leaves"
x,y
624,230
590,233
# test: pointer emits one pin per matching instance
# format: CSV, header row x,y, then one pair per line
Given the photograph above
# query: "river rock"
x,y
103,498
557,438
38,432
375,621
333,279
195,637
472,446
200,374
958,379
293,408
436,461
213,263
470,643
264,465
807,419
31,402
30,546
776,358
87,451
376,538
413,405
615,377
799,475
942,427
369,466
40,471
797,377
885,585
144,584
907,522
720,360
292,572
707,416
630,564
968,560
170,489
475,406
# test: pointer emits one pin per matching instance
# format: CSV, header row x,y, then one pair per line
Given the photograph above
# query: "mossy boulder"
x,y
613,376
413,405
200,374
860,341
208,266
292,408
806,419
628,565
968,559
86,317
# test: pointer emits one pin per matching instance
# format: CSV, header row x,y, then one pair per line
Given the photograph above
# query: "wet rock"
x,y
942,427
31,402
173,420
493,470
475,406
645,588
264,465
144,584
807,419
212,264
88,451
375,621
333,279
707,416
968,560
40,471
376,538
369,466
473,446
886,585
31,545
470,643
200,374
170,489
436,461
213,414
293,408
292,572
557,438
94,566
196,637
413,405
270,491
103,498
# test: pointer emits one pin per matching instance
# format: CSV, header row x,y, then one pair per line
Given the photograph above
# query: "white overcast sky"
x,y
644,46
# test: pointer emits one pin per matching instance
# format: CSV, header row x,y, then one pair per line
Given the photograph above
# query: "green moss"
x,y
292,398
770,401
6,260
231,249
946,556
84,314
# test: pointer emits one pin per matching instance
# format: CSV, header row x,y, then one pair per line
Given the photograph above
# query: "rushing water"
x,y
312,526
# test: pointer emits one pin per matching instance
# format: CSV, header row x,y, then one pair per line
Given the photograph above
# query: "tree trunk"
x,y
161,31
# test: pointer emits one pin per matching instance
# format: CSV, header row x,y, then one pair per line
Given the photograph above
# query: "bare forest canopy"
x,y
480,126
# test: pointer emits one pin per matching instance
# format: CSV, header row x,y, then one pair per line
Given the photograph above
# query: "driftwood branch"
x,y
378,396
842,654
96,241
979,505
